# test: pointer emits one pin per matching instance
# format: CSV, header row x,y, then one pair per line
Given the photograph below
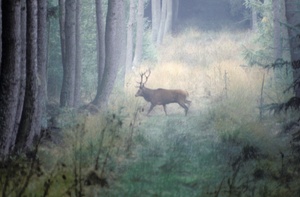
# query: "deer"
x,y
161,96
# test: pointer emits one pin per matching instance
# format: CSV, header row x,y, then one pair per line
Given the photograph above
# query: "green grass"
x,y
218,147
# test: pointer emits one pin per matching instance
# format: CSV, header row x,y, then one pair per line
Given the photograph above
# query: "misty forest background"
x,y
70,124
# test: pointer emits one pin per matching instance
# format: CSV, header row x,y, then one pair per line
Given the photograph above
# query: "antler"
x,y
146,74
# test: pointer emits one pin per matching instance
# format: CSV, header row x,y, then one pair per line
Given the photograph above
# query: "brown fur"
x,y
163,97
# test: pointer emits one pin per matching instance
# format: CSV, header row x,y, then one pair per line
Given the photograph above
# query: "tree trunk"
x,y
62,19
68,86
100,48
169,17
42,61
293,20
28,125
129,47
156,10
162,23
122,59
22,71
10,71
277,29
139,34
0,35
78,61
112,51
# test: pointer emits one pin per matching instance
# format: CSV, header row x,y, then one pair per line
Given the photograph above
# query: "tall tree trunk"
x,y
100,48
129,47
139,34
68,86
162,23
169,17
62,19
112,51
10,71
122,59
28,125
277,29
293,20
0,35
42,61
155,10
22,71
77,93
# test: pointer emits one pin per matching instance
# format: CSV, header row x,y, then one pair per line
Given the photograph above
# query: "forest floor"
x,y
221,148
176,156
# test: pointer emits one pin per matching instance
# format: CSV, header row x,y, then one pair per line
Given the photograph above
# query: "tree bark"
x,y
68,86
277,30
42,61
0,35
139,34
122,59
78,61
169,18
162,23
155,10
100,48
10,71
129,47
22,71
29,126
62,19
293,20
112,51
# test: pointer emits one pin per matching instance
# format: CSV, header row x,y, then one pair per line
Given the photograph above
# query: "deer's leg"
x,y
150,109
188,102
165,109
184,107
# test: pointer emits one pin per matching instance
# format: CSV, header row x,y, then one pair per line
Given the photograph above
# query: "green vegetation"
x,y
222,148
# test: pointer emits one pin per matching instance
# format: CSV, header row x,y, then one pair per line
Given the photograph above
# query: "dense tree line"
x,y
120,31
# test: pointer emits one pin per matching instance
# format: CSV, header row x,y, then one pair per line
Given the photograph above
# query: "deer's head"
x,y
142,83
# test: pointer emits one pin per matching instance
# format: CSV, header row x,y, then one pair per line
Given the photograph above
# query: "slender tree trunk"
x,y
112,51
62,19
68,86
139,34
162,23
28,125
22,71
78,61
100,48
10,71
156,10
277,30
42,61
122,59
169,18
0,35
293,20
129,47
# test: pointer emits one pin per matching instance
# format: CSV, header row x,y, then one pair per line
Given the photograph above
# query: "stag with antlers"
x,y
161,96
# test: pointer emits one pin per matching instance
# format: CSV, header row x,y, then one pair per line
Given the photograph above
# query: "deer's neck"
x,y
148,94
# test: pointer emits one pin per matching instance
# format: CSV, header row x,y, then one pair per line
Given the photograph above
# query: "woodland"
x,y
150,98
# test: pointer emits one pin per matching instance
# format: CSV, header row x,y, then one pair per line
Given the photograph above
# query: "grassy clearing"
x,y
220,149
